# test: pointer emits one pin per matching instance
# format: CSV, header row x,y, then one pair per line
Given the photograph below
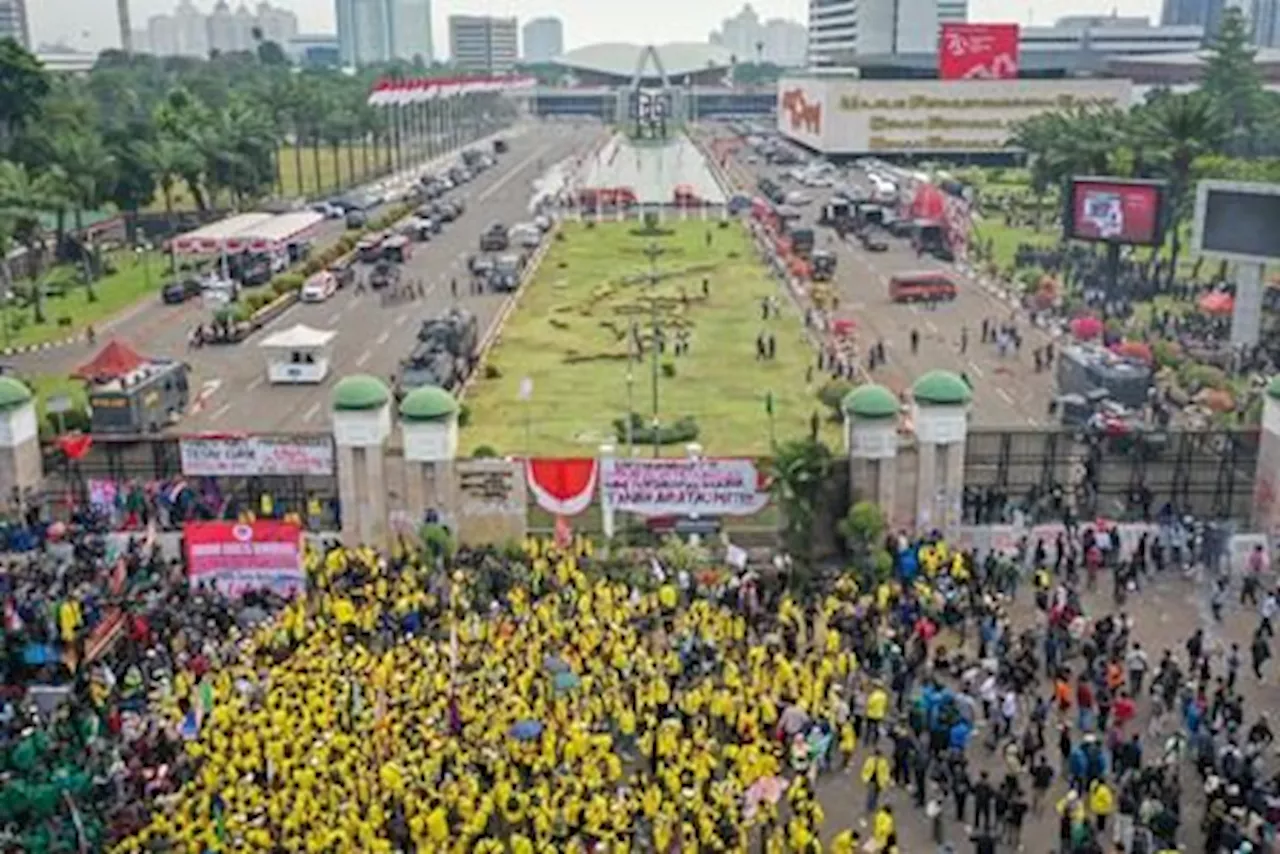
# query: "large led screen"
x,y
1114,210
1239,222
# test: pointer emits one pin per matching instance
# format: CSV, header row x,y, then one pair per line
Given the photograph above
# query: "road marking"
x,y
515,170
253,385
400,321
312,411
382,339
1032,422
364,357
220,411
975,370
333,318
1004,395
933,330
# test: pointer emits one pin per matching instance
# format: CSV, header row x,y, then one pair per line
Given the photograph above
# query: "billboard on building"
x,y
800,109
1236,221
928,117
978,52
1115,210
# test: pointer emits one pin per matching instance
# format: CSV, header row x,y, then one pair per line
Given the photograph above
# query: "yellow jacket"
x,y
1101,800
876,767
882,827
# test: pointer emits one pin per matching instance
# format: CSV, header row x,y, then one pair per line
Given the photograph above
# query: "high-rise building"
x,y
750,39
840,28
484,44
786,43
162,35
411,36
1264,15
192,30
125,23
222,28
1201,13
277,25
953,11
13,22
377,31
543,40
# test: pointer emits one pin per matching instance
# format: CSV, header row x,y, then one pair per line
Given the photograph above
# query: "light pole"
x,y
653,251
631,410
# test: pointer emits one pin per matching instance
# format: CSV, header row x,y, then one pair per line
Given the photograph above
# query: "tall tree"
x,y
1176,130
24,83
1233,82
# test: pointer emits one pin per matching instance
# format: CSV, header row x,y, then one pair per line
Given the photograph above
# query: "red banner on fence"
x,y
237,557
978,52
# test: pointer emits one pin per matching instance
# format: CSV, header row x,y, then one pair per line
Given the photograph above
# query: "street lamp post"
x,y
653,251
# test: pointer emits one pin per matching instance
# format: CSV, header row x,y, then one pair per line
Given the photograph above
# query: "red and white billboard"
x,y
1116,210
978,52
237,557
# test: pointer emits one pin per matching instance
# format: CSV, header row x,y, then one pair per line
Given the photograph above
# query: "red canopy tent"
x,y
113,361
928,203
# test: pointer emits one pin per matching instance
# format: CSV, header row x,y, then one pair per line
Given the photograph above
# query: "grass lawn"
x,y
136,277
299,178
569,335
45,386
1007,238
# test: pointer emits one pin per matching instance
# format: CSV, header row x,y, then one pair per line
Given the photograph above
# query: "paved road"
x,y
230,381
1007,391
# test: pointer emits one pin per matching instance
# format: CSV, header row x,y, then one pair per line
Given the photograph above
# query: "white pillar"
x,y
941,413
871,442
1266,482
1246,315
607,520
429,426
21,464
361,426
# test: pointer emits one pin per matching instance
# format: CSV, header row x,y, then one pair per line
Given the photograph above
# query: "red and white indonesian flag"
x,y
380,94
562,486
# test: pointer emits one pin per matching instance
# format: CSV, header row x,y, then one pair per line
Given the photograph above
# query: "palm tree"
x,y
23,197
799,472
169,159
1176,130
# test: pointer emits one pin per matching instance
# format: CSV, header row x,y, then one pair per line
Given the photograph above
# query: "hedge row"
x,y
294,279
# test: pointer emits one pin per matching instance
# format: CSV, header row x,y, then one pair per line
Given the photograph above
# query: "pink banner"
x,y
683,487
236,557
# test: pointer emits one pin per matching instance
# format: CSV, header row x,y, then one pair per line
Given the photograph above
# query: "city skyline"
x,y
654,21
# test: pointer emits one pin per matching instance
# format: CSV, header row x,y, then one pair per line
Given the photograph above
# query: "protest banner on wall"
x,y
255,456
236,557
683,487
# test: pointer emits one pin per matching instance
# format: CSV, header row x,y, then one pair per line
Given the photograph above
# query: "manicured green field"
x,y
137,276
570,336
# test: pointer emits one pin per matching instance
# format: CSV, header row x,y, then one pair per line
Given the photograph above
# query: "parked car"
x,y
319,287
344,272
526,235
180,291
494,238
329,210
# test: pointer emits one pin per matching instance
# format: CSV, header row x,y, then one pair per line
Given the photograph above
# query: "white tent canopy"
x,y
209,239
299,354
299,337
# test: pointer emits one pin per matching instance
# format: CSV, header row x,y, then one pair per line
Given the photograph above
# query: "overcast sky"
x,y
92,23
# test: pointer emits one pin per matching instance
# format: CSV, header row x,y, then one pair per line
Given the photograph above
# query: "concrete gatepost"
x,y
361,427
21,464
608,521
429,424
871,442
941,413
1266,481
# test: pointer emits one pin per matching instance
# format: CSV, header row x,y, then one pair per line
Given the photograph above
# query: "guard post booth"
x,y
299,355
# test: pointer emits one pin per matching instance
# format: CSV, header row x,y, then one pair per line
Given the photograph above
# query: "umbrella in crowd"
x,y
1217,303
1086,327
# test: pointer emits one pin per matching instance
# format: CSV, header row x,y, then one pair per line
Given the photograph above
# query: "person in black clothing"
x,y
960,788
983,842
1042,776
983,796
